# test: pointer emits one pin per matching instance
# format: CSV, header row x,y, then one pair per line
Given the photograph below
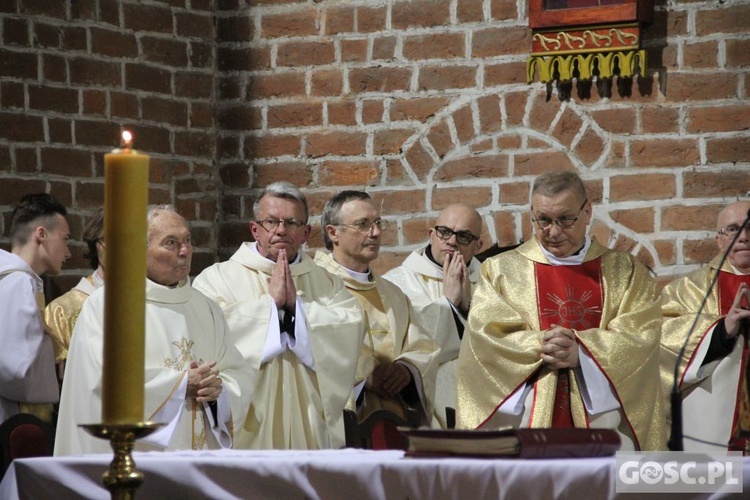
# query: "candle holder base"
x,y
123,479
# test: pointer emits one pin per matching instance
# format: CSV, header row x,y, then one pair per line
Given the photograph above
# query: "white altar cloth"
x,y
325,474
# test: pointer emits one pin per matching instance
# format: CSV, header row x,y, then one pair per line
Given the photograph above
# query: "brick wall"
x,y
420,102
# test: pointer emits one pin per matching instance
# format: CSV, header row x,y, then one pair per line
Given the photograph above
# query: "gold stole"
x,y
571,297
727,289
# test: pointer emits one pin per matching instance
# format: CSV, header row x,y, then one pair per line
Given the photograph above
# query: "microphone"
x,y
675,398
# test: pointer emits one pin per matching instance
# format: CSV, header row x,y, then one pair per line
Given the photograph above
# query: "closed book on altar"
x,y
510,443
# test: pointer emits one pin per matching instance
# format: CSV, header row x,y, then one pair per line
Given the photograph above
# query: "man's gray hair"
x,y
332,211
285,190
551,184
154,210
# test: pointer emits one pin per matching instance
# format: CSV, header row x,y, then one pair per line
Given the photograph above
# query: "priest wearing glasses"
x,y
438,279
564,332
297,326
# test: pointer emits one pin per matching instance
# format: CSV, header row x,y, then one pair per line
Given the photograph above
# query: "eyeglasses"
x,y
273,224
562,222
732,229
366,226
463,238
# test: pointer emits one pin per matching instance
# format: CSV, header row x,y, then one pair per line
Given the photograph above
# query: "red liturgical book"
x,y
512,443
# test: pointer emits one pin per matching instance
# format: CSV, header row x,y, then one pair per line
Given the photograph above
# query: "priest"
x,y
195,379
563,332
297,326
712,374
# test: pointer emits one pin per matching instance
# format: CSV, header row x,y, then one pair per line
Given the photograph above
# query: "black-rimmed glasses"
x,y
273,224
463,238
562,222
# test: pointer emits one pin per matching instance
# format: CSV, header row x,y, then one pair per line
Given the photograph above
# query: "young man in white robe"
x,y
297,326
39,234
439,279
194,376
712,374
398,362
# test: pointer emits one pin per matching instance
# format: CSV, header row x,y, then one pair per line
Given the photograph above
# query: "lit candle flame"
x,y
127,139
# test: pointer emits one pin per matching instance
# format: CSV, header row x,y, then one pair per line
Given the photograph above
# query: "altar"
x,y
325,474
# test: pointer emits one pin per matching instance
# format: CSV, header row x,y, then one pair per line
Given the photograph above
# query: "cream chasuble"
x,y
182,325
714,393
502,344
62,313
422,281
292,406
394,333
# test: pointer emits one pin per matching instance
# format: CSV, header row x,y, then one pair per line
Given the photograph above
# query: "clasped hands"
x,y
281,286
204,383
456,283
387,380
559,348
739,311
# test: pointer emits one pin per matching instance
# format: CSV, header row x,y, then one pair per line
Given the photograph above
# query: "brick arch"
x,y
487,149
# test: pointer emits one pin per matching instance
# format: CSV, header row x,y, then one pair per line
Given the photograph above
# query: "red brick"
x,y
470,11
420,14
289,23
434,46
113,43
193,143
123,105
94,102
503,9
339,20
298,173
396,173
666,251
616,121
15,31
738,53
420,161
416,230
419,109
21,127
166,51
26,160
60,130
74,37
590,148
238,117
659,120
336,143
725,183
683,87
399,202
514,193
285,84
90,72
505,229
383,48
689,218
244,59
372,111
354,50
390,140
509,142
147,18
718,119
342,112
616,157
379,79
463,120
640,220
387,261
239,27
567,127
482,145
642,187
53,99
271,145
295,115
731,19
699,252
164,110
194,24
538,163
305,53
515,105
542,113
494,166
515,40
152,138
66,161
490,118
193,84
371,19
447,77
12,95
664,152
730,149
327,82
506,73
701,54
439,138
477,197
149,78
355,173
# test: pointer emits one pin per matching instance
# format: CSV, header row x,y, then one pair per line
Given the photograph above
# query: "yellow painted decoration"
x,y
601,64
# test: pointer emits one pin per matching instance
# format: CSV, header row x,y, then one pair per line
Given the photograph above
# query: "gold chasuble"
x,y
62,313
393,334
715,394
610,301
292,405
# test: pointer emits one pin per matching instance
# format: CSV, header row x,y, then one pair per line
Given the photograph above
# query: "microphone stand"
x,y
675,398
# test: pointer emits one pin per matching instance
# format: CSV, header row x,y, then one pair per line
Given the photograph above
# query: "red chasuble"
x,y
571,297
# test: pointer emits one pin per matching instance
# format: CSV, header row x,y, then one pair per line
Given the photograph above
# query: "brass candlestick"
x,y
123,479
